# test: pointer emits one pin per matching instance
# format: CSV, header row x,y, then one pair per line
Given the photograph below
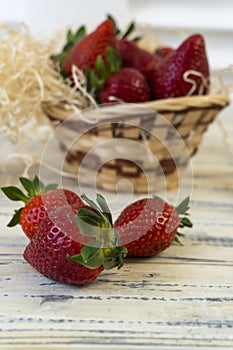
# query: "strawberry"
x,y
74,248
85,52
71,39
39,201
149,225
165,52
128,85
138,58
96,80
174,80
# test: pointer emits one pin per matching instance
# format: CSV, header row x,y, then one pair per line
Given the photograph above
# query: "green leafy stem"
x,y
97,223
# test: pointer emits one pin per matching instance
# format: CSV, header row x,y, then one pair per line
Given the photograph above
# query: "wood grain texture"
x,y
181,299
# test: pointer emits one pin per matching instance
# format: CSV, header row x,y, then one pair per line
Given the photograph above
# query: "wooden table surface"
x,y
181,299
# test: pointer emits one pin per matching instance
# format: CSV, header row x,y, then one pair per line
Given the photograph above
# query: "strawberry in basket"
x,y
95,55
165,52
166,73
86,51
185,72
134,56
128,85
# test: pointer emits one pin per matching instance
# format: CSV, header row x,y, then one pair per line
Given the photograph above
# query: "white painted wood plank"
x,y
183,298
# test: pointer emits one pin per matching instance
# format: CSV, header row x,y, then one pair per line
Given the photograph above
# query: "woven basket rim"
x,y
176,104
182,103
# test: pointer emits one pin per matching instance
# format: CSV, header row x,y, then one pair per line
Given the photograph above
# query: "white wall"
x,y
205,14
176,18
46,16
172,19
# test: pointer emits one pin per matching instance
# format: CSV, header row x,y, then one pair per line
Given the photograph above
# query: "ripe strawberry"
x,y
171,81
135,57
55,239
150,225
128,85
71,39
39,201
86,51
75,249
165,52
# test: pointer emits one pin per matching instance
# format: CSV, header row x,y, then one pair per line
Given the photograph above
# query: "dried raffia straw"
x,y
187,78
222,81
28,80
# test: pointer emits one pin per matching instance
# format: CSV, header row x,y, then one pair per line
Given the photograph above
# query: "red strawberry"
x,y
149,226
128,85
39,201
171,81
86,51
59,250
56,238
165,52
138,58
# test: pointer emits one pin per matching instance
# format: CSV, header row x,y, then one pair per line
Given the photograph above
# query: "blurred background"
x,y
172,19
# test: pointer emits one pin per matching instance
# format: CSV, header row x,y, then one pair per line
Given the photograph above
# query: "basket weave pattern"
x,y
188,116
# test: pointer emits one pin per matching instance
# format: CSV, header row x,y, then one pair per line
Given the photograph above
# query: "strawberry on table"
x,y
74,248
170,80
86,51
39,201
128,85
150,225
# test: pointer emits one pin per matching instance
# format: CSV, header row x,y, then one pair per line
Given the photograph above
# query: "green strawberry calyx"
x,y
96,79
182,210
104,250
33,188
129,30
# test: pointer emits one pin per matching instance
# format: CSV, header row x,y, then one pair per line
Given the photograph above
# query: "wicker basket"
x,y
169,129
